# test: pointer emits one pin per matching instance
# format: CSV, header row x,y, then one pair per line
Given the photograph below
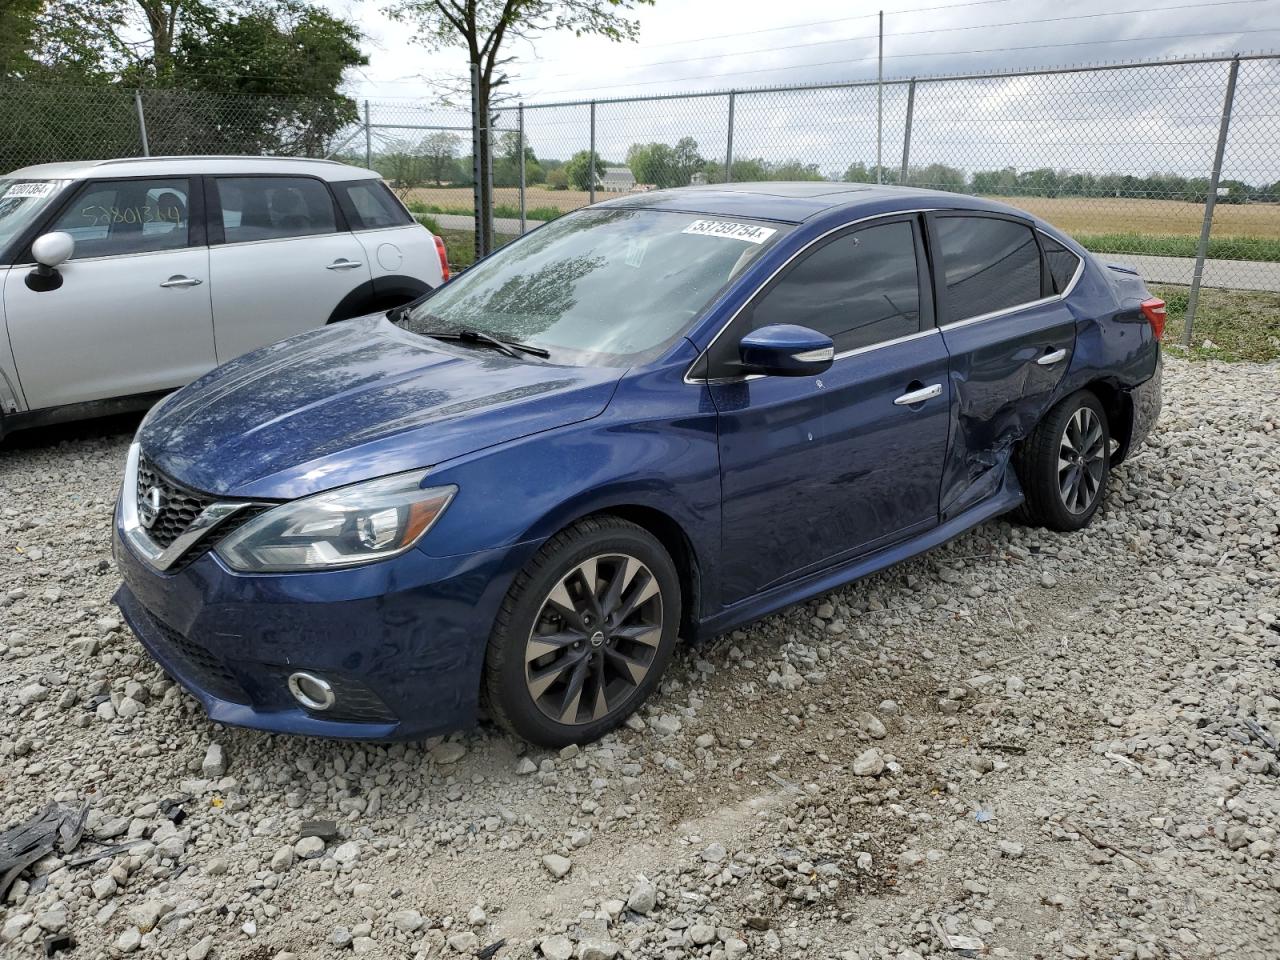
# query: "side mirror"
x,y
786,350
53,249
50,251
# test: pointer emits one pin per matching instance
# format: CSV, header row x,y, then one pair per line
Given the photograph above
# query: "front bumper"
x,y
402,641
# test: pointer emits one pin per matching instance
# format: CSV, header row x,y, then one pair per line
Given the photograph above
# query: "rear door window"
x,y
369,205
272,208
989,264
115,217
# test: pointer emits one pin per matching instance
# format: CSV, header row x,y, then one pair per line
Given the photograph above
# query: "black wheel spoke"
x,y
630,669
541,680
572,698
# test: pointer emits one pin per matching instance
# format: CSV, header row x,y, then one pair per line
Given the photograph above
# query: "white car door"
x,y
132,313
279,260
402,254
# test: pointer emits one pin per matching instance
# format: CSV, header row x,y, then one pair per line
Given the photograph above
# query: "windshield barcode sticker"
x,y
734,231
34,189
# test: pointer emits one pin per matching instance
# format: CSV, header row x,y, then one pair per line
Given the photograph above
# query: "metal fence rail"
x,y
1170,166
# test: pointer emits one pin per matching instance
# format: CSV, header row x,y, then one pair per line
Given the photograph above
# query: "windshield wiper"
x,y
512,348
396,314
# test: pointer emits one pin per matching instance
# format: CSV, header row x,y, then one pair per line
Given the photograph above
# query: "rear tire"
x,y
1065,464
584,634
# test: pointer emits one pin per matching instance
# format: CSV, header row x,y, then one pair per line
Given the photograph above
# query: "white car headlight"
x,y
339,528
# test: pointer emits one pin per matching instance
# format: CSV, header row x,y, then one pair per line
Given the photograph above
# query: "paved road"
x,y
1236,274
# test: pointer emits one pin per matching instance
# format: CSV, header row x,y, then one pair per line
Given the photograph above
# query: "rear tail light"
x,y
1154,310
444,259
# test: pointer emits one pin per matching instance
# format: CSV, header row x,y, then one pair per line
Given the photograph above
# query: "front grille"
x,y
179,505
200,664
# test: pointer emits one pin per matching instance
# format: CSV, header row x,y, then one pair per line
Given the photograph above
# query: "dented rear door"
x,y
1010,340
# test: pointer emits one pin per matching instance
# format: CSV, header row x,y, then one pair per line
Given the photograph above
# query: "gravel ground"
x,y
1021,745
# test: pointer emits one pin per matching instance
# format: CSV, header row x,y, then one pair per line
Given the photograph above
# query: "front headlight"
x,y
357,524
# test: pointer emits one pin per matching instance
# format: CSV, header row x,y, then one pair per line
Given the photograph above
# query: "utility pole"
x,y
477,189
880,106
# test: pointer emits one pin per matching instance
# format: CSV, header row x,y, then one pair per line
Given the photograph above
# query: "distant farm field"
x,y
1104,215
1105,225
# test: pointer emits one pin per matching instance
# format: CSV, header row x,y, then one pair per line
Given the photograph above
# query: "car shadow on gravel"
x,y
102,428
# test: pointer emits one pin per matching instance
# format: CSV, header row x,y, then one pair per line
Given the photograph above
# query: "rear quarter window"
x,y
1062,263
370,205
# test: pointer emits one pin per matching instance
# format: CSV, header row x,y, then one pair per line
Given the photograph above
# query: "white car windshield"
x,y
612,286
21,202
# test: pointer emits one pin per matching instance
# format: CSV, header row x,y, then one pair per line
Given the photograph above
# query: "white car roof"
x,y
172,166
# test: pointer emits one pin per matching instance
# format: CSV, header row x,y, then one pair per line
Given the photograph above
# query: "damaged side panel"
x,y
1005,374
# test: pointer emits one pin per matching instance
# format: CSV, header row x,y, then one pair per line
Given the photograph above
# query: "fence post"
x,y
477,191
728,152
368,138
880,106
520,121
591,164
906,133
142,122
1210,201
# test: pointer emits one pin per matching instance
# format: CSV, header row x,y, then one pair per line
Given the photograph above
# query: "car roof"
x,y
168,166
797,202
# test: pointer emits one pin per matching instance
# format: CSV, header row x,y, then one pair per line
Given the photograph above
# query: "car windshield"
x,y
606,287
21,201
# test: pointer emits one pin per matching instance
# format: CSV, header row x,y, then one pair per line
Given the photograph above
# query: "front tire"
x,y
1065,464
584,634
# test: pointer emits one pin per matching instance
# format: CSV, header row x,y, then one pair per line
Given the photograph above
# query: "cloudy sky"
x,y
1130,121
716,44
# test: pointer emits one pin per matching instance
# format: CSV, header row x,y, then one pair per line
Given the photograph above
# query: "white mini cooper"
x,y
123,279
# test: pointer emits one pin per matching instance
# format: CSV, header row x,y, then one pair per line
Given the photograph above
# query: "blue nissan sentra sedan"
x,y
663,416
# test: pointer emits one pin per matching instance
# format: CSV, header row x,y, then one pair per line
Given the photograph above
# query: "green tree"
x,y
557,179
751,170
866,173
794,170
439,154
938,176
289,57
19,20
650,163
578,169
485,28
506,165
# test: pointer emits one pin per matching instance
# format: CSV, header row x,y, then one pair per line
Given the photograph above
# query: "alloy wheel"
x,y
595,639
1081,455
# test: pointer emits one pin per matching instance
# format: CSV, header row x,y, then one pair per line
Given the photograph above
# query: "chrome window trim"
x,y
162,558
689,378
857,351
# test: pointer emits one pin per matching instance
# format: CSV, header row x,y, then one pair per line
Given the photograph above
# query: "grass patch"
x,y
1236,324
530,213
1181,245
506,210
427,220
460,245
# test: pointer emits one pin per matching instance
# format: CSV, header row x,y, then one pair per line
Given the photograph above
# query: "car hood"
x,y
357,400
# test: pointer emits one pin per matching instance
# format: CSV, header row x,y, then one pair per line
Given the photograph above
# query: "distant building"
x,y
699,179
617,180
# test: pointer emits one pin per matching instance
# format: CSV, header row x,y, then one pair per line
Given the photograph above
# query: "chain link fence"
x,y
1172,167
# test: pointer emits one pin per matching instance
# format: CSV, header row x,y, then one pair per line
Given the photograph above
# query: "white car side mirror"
x,y
53,249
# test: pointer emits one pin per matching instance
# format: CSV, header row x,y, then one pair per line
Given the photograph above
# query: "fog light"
x,y
311,691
